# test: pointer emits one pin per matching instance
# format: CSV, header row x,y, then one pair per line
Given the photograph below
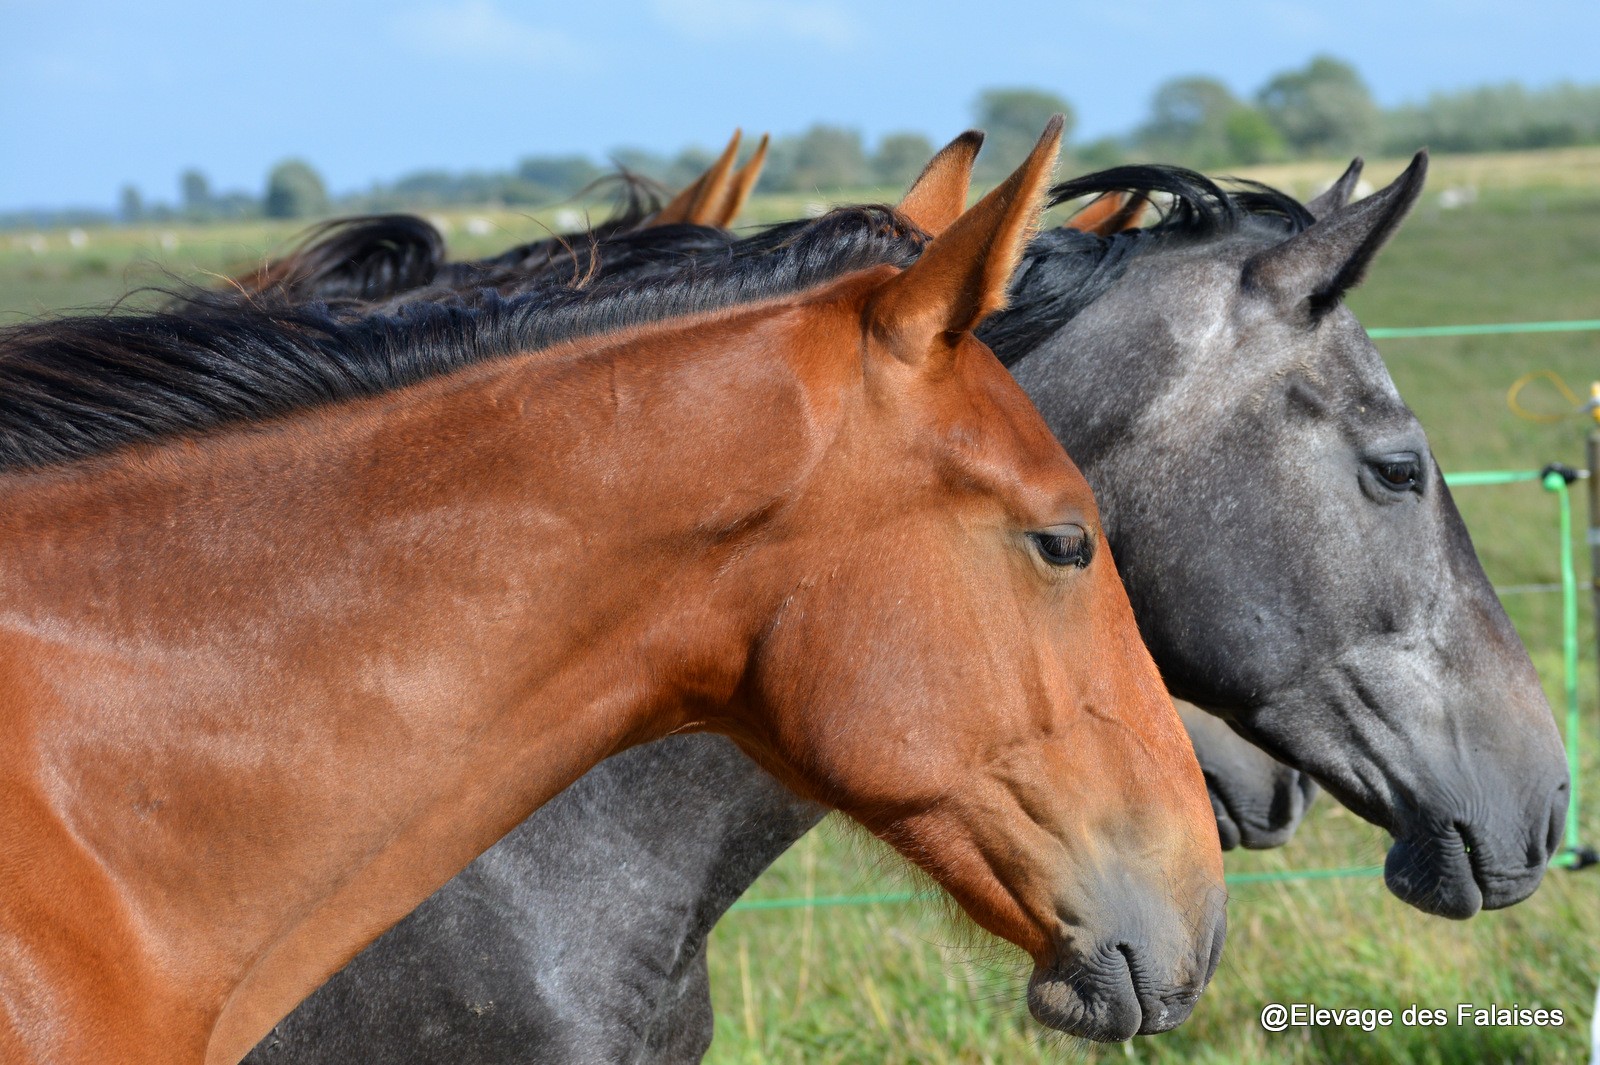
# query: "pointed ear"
x,y
1338,194
1108,213
1316,268
697,203
939,194
963,274
738,190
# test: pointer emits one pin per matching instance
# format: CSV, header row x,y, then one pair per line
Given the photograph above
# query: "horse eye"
x,y
1064,545
1399,472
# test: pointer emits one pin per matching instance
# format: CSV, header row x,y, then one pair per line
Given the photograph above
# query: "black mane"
x,y
377,308
1063,270
371,258
1061,273
72,388
360,259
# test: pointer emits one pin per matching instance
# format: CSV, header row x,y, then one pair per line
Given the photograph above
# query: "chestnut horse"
x,y
303,612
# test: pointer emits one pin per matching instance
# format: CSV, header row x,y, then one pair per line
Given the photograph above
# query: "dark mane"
x,y
77,387
372,258
636,199
366,258
1064,270
788,257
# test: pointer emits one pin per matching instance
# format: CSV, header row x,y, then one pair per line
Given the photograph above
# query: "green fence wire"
x,y
1553,481
1581,325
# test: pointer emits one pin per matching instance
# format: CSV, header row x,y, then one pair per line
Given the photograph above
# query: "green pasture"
x,y
897,982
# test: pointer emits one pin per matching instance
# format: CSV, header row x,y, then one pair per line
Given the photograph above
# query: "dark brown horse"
x,y
301,613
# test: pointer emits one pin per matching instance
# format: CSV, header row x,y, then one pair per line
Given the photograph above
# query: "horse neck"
x,y
389,629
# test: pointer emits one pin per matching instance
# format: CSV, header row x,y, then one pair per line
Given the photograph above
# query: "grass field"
x,y
892,983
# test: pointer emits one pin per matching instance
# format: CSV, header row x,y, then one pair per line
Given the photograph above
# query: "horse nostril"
x,y
1558,818
1219,935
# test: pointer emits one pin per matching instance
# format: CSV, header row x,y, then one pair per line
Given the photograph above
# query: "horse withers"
x,y
289,637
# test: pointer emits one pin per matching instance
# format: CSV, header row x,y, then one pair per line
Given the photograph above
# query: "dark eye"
x,y
1398,472
1064,545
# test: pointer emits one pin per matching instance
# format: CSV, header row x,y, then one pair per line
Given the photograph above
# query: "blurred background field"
x,y
894,983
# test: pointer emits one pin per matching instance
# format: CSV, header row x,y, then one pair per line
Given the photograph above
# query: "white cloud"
x,y
818,22
478,30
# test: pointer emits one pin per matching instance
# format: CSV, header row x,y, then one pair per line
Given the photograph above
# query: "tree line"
x,y
1321,110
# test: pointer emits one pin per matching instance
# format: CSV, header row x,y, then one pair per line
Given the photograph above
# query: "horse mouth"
x,y
1448,873
1107,1006
1116,992
1245,825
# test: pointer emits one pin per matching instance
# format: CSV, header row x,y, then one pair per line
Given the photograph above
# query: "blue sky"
x,y
93,95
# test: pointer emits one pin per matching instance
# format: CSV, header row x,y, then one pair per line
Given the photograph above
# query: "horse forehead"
x,y
1343,357
1236,354
997,434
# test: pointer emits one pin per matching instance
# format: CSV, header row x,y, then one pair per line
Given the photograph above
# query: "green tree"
x,y
1100,153
558,175
1250,137
687,166
1188,121
642,161
194,188
1497,118
1325,109
900,158
194,192
1012,120
294,190
130,205
829,157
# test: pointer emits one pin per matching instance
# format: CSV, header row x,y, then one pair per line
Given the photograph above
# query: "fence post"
x,y
1592,461
1556,478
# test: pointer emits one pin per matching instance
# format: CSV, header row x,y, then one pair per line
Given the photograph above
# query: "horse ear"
x,y
939,194
1316,268
1108,213
963,274
738,190
1338,194
697,204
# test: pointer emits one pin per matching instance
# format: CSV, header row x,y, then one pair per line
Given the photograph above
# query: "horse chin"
x,y
1116,991
1438,874
1454,852
1272,822
1103,1004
